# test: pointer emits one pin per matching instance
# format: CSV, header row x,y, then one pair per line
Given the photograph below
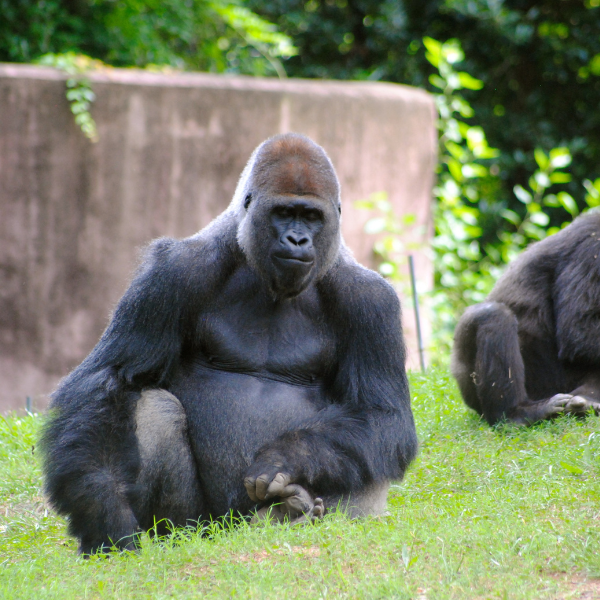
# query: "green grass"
x,y
482,513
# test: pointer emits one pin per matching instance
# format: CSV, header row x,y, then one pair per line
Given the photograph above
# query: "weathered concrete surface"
x,y
73,215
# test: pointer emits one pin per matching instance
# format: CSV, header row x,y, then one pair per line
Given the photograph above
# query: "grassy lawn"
x,y
482,513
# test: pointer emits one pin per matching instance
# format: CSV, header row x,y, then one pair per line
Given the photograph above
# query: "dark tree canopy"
x,y
221,35
539,61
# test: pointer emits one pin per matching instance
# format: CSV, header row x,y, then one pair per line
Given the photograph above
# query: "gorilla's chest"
x,y
285,342
252,373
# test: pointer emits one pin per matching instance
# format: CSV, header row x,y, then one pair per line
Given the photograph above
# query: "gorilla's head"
x,y
288,203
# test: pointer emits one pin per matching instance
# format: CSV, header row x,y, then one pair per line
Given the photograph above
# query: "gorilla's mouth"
x,y
299,260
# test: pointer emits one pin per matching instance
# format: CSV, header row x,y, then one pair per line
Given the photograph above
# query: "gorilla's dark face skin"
x,y
294,223
289,256
253,362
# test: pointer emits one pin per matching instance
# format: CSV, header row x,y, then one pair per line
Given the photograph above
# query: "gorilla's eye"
x,y
312,215
283,212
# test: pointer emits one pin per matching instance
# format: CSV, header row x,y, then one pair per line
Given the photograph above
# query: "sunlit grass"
x,y
483,513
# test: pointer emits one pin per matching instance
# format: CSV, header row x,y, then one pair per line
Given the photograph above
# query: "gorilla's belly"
x,y
230,416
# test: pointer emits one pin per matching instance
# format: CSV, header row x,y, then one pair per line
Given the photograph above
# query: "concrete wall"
x,y
74,215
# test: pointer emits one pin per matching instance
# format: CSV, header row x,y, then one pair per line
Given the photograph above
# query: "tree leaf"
x,y
541,159
522,194
469,82
560,157
568,203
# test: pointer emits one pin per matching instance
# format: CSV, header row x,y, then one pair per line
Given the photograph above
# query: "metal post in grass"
x,y
28,405
413,283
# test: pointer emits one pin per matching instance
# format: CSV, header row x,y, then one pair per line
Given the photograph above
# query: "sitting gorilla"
x,y
532,351
251,363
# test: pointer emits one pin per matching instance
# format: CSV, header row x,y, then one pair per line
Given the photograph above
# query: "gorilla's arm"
x,y
577,303
367,434
89,440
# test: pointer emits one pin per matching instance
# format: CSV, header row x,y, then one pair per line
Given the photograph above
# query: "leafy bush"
x,y
206,35
466,268
467,264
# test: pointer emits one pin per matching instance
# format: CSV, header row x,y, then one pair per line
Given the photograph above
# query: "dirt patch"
x,y
301,551
578,587
36,508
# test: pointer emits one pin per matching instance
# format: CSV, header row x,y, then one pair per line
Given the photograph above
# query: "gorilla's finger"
x,y
262,484
297,499
318,509
250,485
578,403
559,400
278,485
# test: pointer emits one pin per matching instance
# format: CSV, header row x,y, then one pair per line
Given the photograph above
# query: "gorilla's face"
x,y
290,228
294,226
292,240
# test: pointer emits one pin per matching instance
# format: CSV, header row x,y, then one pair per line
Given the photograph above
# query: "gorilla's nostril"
x,y
297,240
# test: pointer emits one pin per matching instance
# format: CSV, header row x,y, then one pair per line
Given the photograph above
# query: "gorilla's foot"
x,y
130,543
296,506
316,512
571,404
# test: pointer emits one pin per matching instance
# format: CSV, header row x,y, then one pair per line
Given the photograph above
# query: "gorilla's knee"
x,y
160,422
368,502
167,481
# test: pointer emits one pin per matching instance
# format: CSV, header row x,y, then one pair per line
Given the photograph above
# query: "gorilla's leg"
x,y
487,362
488,365
167,486
371,501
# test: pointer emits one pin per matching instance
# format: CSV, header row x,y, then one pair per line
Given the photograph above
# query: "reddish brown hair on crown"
x,y
293,164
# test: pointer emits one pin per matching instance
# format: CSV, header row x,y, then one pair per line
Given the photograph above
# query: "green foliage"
x,y
482,513
393,242
466,269
207,35
466,263
462,276
537,60
79,90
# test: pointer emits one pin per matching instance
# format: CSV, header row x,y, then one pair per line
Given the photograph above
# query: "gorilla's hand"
x,y
573,404
269,482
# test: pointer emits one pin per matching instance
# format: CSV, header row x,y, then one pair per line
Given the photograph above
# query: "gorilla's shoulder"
x,y
204,254
357,288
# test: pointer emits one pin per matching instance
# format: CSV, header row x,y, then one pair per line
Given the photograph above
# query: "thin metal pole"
x,y
28,406
413,282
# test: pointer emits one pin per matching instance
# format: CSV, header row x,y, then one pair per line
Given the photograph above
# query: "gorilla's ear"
x,y
247,200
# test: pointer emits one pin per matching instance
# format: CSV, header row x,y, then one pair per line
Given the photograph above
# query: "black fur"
x,y
533,349
296,368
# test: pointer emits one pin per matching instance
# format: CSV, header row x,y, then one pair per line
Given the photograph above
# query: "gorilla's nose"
x,y
296,240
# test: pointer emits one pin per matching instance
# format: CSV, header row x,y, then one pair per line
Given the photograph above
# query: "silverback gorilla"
x,y
532,351
255,362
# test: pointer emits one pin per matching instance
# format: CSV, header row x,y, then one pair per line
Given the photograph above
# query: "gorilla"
x,y
255,363
532,351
